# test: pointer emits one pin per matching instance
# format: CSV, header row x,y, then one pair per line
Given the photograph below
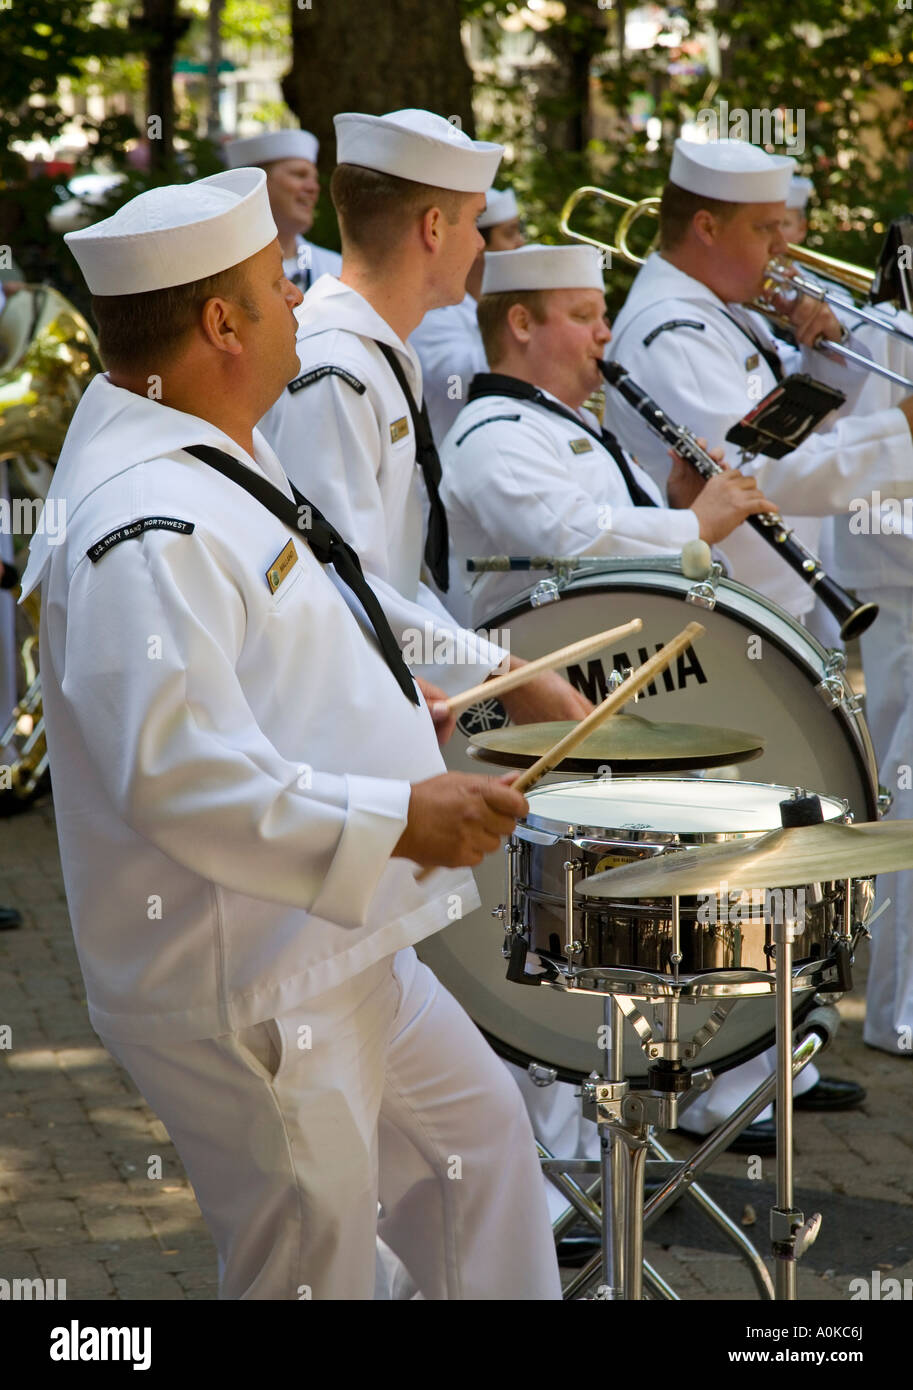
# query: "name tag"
x,y
581,446
282,566
399,429
752,362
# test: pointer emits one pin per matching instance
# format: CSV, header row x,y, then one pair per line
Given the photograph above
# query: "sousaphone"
x,y
48,356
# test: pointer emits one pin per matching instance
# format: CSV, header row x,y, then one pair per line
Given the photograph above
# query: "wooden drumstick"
x,y
563,656
636,681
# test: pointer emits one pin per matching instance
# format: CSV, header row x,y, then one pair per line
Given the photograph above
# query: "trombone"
x,y
843,272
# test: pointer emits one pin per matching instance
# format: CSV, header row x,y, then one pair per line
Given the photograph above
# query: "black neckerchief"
x,y
770,354
325,542
437,543
496,384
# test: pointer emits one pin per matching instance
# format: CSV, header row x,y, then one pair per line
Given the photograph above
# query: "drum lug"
x,y
618,678
540,1075
546,591
833,688
703,595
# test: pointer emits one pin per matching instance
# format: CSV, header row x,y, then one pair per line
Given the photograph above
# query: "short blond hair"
x,y
375,210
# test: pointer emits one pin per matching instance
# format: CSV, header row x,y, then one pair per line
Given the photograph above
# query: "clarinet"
x,y
854,617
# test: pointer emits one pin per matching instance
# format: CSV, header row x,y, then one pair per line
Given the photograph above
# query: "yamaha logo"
x,y
478,719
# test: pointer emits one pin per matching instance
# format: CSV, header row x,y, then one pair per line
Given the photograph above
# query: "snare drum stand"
x,y
625,1118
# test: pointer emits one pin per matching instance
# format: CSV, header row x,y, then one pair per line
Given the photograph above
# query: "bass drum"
x,y
755,668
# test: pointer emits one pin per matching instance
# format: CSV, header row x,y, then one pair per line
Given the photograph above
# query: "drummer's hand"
x,y
436,700
546,697
458,818
685,483
725,502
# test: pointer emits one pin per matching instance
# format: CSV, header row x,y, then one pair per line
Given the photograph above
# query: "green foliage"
x,y
257,22
847,67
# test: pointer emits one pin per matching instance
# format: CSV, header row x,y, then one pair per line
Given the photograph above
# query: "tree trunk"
x,y
349,56
159,18
213,117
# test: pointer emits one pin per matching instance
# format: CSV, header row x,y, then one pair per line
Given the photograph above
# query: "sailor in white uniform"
x,y
684,334
448,340
528,470
350,429
290,160
245,778
871,548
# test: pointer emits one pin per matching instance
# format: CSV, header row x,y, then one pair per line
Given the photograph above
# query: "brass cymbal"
x,y
779,859
627,741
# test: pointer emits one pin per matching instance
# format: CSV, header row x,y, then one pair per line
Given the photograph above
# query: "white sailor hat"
x,y
542,268
176,234
419,146
272,144
799,192
731,170
500,206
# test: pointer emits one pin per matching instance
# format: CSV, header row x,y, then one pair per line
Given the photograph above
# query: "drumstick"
x,y
563,656
636,681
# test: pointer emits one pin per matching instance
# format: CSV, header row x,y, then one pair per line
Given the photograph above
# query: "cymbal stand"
x,y
790,1233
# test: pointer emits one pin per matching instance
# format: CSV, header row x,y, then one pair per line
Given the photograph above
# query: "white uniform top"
x,y
706,375
876,557
310,262
344,435
520,480
450,349
231,766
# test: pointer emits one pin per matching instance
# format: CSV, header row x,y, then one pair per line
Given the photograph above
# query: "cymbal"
x,y
779,859
625,741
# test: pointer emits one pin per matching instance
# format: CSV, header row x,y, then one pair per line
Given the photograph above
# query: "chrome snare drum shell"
x,y
597,826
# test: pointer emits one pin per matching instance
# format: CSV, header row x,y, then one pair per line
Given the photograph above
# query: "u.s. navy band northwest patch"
x,y
136,529
316,373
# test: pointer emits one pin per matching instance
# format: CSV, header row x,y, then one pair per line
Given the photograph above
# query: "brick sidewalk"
x,y
77,1143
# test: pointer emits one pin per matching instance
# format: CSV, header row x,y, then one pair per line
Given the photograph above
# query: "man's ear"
x,y
705,227
518,321
218,323
432,229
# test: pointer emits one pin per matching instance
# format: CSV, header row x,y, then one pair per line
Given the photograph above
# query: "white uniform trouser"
x,y
887,660
382,1087
733,1087
556,1115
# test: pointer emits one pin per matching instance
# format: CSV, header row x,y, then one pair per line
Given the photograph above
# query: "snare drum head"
x,y
754,667
695,809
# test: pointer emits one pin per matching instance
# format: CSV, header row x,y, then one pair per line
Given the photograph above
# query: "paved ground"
x,y
79,1150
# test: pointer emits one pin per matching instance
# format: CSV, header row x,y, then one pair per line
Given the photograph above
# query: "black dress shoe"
x,y
830,1093
9,919
759,1138
575,1249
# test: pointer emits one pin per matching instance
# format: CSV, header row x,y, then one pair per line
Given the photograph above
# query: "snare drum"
x,y
577,829
756,668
